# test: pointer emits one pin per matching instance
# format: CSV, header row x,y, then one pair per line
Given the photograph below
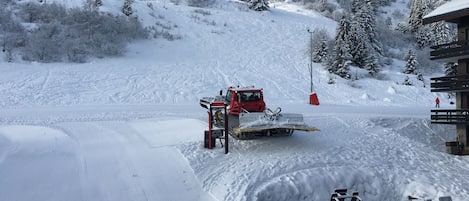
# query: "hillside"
x,y
131,128
254,48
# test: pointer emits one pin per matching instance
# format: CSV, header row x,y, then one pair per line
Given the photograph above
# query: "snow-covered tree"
x,y
320,39
367,17
259,5
320,52
407,81
421,78
363,36
127,7
418,9
431,34
451,68
340,60
358,40
411,64
372,65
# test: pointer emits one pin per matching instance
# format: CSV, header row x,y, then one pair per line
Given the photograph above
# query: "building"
x,y
456,11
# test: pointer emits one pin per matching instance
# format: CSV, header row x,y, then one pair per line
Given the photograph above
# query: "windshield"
x,y
250,96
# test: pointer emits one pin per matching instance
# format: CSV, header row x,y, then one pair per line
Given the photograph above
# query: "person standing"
x,y
437,102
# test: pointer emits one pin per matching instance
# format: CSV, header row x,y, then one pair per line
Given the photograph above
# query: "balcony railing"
x,y
457,116
458,50
457,83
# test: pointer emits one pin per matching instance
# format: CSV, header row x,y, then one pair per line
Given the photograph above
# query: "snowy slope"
x,y
131,128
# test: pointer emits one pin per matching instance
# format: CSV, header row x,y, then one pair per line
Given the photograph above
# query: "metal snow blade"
x,y
271,121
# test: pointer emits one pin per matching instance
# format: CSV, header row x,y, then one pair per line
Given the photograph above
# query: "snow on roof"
x,y
245,88
447,8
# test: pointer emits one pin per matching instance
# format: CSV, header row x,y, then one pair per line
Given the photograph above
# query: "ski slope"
x,y
130,128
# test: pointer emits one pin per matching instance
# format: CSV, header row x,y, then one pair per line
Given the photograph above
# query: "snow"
x,y
131,128
451,6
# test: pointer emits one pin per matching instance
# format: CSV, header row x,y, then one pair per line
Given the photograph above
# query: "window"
x,y
250,96
228,96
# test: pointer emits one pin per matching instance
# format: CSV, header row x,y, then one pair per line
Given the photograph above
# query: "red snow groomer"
x,y
248,117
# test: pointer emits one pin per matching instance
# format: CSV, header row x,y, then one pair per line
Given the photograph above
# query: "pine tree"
x,y
418,9
442,33
358,40
259,5
127,8
340,60
372,65
363,33
368,17
432,34
451,68
421,78
407,81
320,52
411,64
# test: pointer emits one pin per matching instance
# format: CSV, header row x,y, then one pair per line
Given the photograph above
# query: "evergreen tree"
x,y
451,68
418,9
340,60
358,41
320,52
411,64
320,48
432,34
420,77
442,33
407,81
259,5
127,8
372,65
364,33
367,15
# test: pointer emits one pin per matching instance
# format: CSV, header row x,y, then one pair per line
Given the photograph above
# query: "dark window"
x,y
229,94
250,96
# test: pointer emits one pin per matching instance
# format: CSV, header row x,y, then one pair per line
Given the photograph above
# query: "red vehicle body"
x,y
247,99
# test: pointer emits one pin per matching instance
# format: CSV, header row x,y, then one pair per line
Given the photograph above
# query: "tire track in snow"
x,y
102,158
43,86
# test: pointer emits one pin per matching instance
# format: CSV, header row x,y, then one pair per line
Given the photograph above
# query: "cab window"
x,y
250,96
229,94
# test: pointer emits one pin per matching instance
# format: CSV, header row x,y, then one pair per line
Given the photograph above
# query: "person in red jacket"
x,y
437,101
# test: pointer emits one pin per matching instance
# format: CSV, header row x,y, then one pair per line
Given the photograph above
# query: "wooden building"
x,y
456,11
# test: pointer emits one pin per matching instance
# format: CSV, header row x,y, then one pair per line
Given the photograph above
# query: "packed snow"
x,y
131,128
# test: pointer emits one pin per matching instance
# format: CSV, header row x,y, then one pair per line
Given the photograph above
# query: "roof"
x,y
247,88
453,11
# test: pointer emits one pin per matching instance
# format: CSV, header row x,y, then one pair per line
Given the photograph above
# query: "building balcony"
x,y
454,50
457,83
455,116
